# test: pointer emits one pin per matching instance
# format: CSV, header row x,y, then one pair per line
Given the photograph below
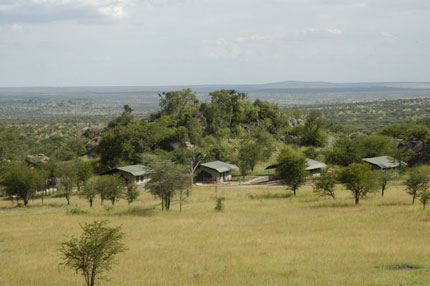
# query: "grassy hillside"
x,y
295,241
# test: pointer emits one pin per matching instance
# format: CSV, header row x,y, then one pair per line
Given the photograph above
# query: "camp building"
x,y
383,162
214,172
313,166
133,174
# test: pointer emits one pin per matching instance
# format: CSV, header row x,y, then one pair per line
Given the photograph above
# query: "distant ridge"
x,y
240,87
286,93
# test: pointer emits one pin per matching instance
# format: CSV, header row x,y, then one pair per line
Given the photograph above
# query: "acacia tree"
x,y
132,193
311,132
93,253
20,181
324,184
385,176
90,191
110,187
41,182
417,181
166,179
84,171
66,173
249,155
292,169
359,179
424,196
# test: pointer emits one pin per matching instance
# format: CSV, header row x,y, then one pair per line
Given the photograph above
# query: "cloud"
x,y
43,11
254,45
16,28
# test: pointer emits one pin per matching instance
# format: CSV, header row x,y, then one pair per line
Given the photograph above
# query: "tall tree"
x,y
166,179
84,173
132,193
12,144
385,176
174,102
292,169
90,190
359,179
249,154
67,175
20,181
325,183
418,180
110,187
125,118
312,133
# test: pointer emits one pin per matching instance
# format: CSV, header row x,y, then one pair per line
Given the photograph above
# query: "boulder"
x,y
37,159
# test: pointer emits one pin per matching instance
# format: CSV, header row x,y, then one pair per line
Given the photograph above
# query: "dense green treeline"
x,y
228,127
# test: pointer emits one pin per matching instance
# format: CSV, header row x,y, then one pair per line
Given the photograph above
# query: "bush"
x,y
271,196
75,211
219,204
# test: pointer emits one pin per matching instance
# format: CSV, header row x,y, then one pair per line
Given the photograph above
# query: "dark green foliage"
x,y
70,149
325,183
175,102
110,187
418,181
90,190
93,253
67,176
218,152
219,204
249,154
266,142
270,196
166,179
424,196
359,179
121,143
21,181
131,194
84,171
125,118
292,169
12,146
75,211
351,150
385,176
312,133
345,152
406,130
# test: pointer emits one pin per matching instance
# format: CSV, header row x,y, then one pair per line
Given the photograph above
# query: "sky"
x,y
188,42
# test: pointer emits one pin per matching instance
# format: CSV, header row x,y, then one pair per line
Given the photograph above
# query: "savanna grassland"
x,y
304,240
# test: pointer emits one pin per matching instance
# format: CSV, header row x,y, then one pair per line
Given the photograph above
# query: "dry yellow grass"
x,y
296,241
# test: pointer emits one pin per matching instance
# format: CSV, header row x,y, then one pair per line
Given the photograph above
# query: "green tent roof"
x,y
311,165
314,165
220,167
383,162
135,170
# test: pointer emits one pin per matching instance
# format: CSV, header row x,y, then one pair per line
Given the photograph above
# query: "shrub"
x,y
219,204
75,211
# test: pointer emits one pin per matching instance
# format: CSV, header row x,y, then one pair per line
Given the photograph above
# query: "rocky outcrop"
x,y
420,150
36,159
295,122
93,135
